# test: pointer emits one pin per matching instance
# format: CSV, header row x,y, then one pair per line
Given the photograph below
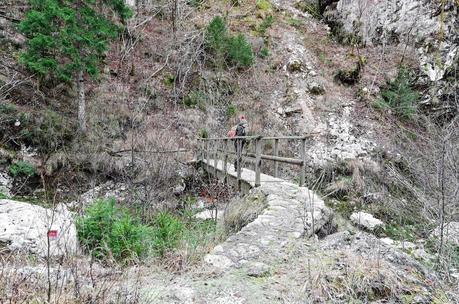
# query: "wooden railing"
x,y
219,148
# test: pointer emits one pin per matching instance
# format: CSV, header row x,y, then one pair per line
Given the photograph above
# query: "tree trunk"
x,y
81,103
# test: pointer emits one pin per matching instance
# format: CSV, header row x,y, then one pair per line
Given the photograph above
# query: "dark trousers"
x,y
238,147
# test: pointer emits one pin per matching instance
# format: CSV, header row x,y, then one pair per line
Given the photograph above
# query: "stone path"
x,y
292,212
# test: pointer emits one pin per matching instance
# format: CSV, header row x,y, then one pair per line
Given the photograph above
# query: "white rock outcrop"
x,y
5,184
366,220
432,25
24,227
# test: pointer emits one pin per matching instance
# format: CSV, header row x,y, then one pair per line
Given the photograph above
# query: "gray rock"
x,y
366,220
257,269
6,182
209,214
24,227
316,88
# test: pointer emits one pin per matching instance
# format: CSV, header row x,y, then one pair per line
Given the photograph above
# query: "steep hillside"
x,y
372,83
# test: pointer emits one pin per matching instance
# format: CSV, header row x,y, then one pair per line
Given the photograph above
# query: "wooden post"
x,y
238,162
303,165
207,155
276,153
258,148
225,161
216,158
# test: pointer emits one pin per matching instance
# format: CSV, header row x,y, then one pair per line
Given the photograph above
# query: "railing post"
x,y
225,161
258,148
276,153
216,158
238,162
207,155
303,165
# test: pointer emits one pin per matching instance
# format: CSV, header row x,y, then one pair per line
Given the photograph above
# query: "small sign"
x,y
52,234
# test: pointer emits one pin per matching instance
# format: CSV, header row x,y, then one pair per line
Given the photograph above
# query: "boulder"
x,y
257,269
6,183
316,88
25,227
366,221
450,233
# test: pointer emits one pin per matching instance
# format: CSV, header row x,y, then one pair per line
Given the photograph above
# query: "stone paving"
x,y
292,212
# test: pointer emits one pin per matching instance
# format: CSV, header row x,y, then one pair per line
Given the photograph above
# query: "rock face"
x,y
24,227
423,23
5,184
366,220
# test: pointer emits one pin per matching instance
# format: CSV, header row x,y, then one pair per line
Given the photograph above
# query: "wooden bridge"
x,y
216,153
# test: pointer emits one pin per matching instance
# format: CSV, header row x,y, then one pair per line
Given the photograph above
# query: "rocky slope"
x,y
354,158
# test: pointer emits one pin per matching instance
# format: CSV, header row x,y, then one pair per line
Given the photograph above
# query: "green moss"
x,y
263,5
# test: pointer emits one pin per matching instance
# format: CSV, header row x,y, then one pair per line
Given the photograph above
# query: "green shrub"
x,y
3,195
400,96
167,233
203,133
266,24
263,5
235,50
195,3
217,35
239,51
231,110
264,52
195,99
110,231
294,22
22,168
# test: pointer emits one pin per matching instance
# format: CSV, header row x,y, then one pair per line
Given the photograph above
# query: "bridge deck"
x,y
247,175
292,212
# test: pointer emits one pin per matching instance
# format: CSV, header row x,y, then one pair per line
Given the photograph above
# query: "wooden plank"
x,y
287,160
238,163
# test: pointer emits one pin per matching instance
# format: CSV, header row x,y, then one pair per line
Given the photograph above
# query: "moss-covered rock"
x,y
240,212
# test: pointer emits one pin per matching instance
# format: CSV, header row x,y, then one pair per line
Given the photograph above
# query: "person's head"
x,y
241,119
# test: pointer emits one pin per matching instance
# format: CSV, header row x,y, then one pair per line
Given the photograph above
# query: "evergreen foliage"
x,y
234,50
22,168
400,95
110,231
67,36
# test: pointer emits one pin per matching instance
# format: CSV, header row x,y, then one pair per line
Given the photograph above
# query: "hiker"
x,y
239,130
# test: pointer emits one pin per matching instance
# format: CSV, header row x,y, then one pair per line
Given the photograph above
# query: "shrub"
x,y
195,99
231,110
400,96
236,50
203,133
264,52
263,5
217,35
3,195
267,23
167,233
22,168
110,231
239,51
